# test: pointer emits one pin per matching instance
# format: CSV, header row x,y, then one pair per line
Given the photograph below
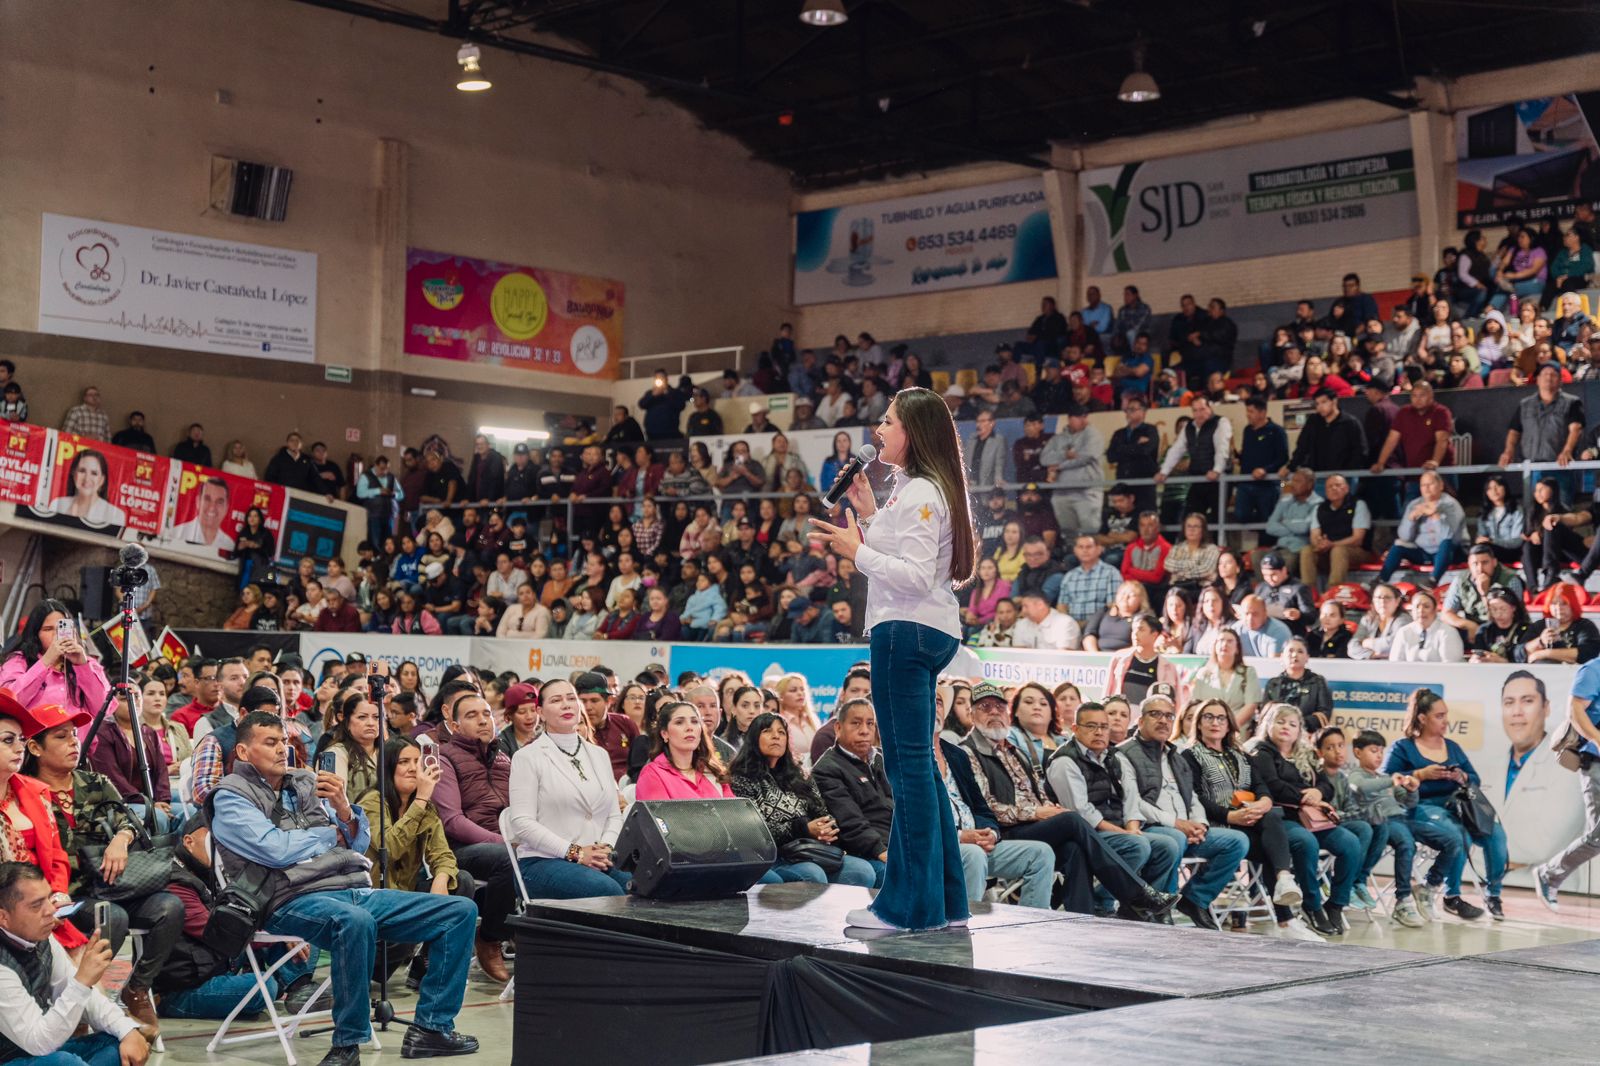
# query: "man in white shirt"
x,y
831,409
205,528
525,618
35,969
1041,627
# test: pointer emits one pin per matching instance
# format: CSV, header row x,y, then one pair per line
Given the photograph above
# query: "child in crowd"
x,y
1381,801
13,408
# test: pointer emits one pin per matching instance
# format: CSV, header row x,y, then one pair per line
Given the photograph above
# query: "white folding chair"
x,y
284,1028
1004,891
508,991
1247,894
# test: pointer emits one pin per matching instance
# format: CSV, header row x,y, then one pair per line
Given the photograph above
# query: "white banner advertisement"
x,y
959,239
112,282
1325,190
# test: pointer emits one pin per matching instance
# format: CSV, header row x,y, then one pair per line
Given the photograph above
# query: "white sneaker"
x,y
1298,930
863,918
1423,894
1286,893
1406,913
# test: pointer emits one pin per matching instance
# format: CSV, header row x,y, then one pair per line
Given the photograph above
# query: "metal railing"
x,y
631,362
1219,529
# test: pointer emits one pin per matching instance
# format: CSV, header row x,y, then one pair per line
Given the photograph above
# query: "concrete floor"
x,y
1527,924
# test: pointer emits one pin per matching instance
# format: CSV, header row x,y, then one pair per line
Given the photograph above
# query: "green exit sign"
x,y
340,374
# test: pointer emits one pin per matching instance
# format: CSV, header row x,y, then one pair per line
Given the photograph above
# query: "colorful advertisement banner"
x,y
22,462
960,239
502,314
113,282
209,509
1534,158
100,488
1325,190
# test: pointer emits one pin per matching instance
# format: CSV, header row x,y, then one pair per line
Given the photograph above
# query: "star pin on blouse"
x,y
926,512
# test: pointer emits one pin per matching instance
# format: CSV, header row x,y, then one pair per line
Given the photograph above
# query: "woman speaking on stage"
x,y
914,550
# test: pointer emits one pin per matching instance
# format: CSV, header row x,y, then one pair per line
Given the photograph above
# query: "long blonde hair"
x,y
1303,756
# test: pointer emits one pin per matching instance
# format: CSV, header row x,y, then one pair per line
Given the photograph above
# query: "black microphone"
x,y
131,573
864,455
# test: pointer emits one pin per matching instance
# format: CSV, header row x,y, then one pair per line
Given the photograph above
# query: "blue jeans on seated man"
x,y
96,1049
1431,822
560,879
1222,849
1033,861
350,922
1441,558
1153,857
854,872
218,995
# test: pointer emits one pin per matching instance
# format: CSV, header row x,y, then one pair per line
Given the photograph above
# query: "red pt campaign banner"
x,y
23,448
210,508
104,489
502,314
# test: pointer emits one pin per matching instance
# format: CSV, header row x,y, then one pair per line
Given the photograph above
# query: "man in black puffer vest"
x,y
44,995
301,828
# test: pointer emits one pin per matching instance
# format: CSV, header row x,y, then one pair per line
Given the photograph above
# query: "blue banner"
x,y
823,665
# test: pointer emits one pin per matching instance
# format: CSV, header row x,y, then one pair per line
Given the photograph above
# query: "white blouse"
x,y
1441,643
906,554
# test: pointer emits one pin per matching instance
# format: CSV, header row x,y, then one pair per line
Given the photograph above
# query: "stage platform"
x,y
773,973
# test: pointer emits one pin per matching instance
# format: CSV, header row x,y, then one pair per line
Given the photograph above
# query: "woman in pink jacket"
x,y
685,766
40,670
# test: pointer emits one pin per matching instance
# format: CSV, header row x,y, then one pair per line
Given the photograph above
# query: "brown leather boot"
x,y
492,961
137,1001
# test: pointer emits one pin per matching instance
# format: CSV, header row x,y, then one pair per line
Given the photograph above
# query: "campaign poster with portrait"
x,y
100,488
23,448
210,508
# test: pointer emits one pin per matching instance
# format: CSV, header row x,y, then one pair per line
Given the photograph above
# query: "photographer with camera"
x,y
293,838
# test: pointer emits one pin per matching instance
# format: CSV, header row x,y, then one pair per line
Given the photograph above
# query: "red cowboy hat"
x,y
40,719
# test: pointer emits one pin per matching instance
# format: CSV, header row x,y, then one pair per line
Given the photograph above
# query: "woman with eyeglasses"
x,y
1501,638
1563,635
1376,630
1226,785
1225,676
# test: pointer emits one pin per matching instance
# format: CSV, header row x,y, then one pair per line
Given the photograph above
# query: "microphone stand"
x,y
383,1011
123,688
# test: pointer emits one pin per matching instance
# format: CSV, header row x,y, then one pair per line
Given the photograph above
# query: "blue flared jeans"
x,y
924,885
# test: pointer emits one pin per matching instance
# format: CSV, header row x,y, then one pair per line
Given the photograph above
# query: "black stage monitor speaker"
x,y
94,591
694,849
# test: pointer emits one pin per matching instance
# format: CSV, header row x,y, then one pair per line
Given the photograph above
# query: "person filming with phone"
x,y
46,662
45,995
301,831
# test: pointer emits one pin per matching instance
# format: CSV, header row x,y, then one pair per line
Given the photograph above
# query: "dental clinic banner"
x,y
960,239
111,282
1325,190
503,314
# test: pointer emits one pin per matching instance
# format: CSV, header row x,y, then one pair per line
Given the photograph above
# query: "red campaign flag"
x,y
101,488
22,461
170,647
210,507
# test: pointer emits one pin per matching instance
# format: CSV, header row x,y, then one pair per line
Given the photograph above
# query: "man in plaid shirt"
x,y
1090,587
88,419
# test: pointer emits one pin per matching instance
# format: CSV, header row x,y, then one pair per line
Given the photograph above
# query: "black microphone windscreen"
x,y
133,556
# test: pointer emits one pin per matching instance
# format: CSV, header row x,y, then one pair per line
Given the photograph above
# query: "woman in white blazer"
x,y
565,815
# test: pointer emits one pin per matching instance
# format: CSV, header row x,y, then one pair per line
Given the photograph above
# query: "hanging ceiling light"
x,y
472,78
1138,87
823,13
